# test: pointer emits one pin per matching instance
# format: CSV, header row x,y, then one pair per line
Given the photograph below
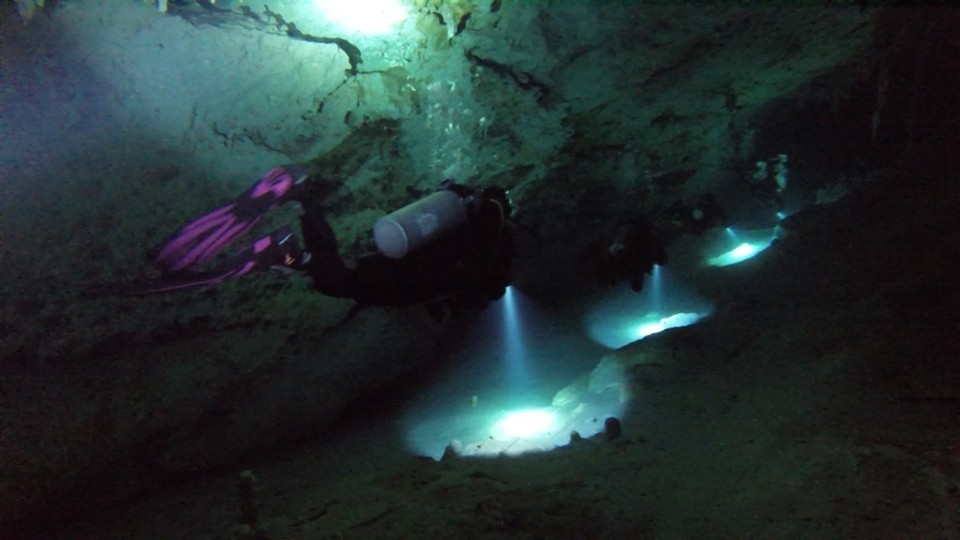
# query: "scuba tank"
x,y
419,223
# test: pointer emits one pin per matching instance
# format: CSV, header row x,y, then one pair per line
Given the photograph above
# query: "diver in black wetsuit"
x,y
633,247
626,255
450,251
462,269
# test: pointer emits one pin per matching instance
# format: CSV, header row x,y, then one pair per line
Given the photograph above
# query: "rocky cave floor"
x,y
818,401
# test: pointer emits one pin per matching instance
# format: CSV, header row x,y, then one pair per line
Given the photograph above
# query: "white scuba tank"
x,y
418,223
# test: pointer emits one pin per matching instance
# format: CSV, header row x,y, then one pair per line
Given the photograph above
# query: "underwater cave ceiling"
x,y
672,89
586,114
630,108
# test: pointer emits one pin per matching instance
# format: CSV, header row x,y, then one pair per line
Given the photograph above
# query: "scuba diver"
x,y
451,251
632,251
635,246
705,213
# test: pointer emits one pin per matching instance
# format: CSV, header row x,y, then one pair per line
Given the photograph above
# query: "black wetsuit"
x,y
635,249
465,268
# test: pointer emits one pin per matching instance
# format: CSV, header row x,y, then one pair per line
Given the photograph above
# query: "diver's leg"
x,y
331,275
318,236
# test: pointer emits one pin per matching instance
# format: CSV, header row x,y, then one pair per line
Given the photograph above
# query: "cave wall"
x,y
588,114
